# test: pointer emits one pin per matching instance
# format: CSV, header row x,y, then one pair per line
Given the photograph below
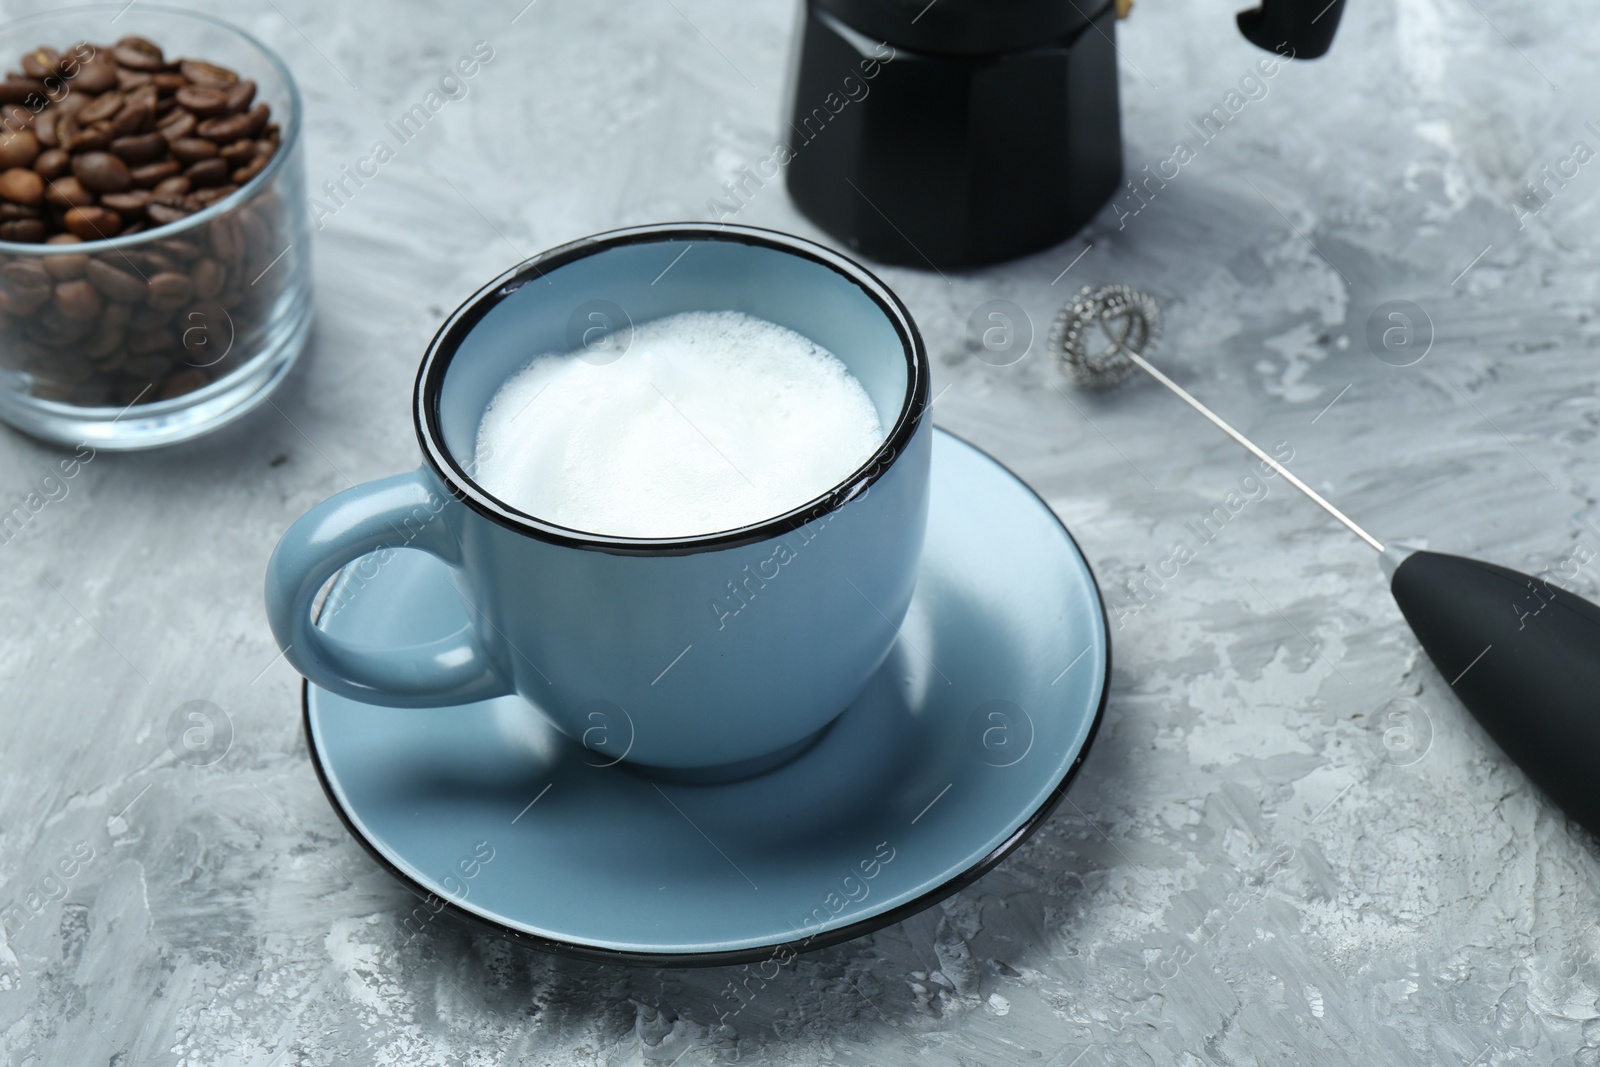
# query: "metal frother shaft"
x,y
1522,654
1255,449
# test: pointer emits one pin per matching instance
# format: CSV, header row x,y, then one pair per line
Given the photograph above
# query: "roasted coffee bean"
x,y
253,233
42,63
93,223
250,170
209,277
23,273
16,90
24,286
140,148
67,192
149,318
169,291
164,209
168,82
116,285
110,364
150,175
179,251
130,205
21,186
87,139
145,95
19,149
116,314
202,101
238,153
207,197
136,116
20,90
44,128
78,299
137,53
225,239
54,326
240,95
131,79
226,129
208,332
206,172
152,260
193,149
11,212
101,172
67,267
90,138
70,104
23,231
15,117
199,72
47,329
52,163
101,345
147,342
177,126
96,76
174,187
55,91
101,107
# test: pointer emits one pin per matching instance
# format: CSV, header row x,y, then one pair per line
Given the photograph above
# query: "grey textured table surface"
x,y
1289,844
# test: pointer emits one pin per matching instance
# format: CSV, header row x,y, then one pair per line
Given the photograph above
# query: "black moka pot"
x,y
960,132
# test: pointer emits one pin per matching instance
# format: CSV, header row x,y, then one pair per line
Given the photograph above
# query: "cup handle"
x,y
397,512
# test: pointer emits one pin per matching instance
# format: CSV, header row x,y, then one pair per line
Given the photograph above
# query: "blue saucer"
x,y
959,749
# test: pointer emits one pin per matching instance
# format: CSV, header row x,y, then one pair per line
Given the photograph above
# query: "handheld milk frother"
x,y
1523,655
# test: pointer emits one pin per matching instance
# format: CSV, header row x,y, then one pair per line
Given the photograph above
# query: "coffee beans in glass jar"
x,y
100,143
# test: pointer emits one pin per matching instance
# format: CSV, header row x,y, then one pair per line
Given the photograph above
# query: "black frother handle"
x,y
1295,29
1524,657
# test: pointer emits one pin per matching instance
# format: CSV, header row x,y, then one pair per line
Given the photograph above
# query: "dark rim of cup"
x,y
445,344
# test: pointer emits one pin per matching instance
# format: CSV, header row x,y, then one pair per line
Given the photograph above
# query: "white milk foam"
x,y
711,420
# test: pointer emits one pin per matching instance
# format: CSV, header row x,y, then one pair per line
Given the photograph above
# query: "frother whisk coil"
x,y
1129,321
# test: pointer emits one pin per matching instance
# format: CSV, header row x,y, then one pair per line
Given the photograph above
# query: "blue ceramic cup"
x,y
718,654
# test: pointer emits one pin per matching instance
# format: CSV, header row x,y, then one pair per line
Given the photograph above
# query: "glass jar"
x,y
148,338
